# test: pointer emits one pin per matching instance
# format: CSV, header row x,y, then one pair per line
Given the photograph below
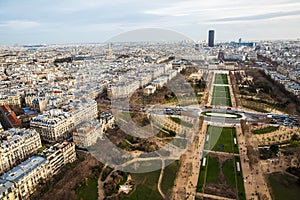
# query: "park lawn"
x,y
221,91
221,79
143,166
145,186
233,177
181,122
180,142
201,178
169,177
212,174
208,173
240,180
221,96
235,146
124,144
255,108
284,187
176,120
221,137
268,129
229,172
88,190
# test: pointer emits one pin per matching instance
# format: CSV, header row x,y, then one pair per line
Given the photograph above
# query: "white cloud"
x,y
66,6
203,11
19,24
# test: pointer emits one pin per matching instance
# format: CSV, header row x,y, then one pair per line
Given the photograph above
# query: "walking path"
x,y
200,195
160,179
101,194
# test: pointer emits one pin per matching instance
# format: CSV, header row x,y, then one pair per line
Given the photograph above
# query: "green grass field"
x,y
221,139
201,178
180,142
210,174
169,177
240,180
229,172
284,187
181,122
221,79
268,129
145,187
144,166
88,190
221,96
146,183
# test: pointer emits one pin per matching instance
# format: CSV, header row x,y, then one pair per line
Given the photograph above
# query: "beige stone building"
x,y
59,155
87,134
21,181
55,125
16,146
10,100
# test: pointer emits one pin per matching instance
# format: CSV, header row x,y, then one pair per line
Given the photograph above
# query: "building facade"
x,y
56,125
13,100
211,38
87,134
59,155
21,181
16,146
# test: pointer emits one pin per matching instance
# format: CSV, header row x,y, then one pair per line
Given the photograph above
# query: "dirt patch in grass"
x,y
65,187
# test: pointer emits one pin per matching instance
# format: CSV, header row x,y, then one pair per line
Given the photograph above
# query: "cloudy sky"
x,y
76,21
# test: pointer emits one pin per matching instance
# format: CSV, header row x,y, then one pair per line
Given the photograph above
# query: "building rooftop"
x,y
24,168
4,186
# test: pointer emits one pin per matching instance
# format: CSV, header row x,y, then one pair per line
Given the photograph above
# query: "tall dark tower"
x,y
211,38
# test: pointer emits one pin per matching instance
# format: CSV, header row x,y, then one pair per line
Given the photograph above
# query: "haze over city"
x,y
158,100
56,21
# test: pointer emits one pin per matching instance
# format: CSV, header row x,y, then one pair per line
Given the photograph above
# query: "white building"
x,y
24,178
55,124
87,134
10,100
59,155
16,146
52,125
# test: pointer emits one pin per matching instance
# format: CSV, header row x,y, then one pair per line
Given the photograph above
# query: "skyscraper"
x,y
211,38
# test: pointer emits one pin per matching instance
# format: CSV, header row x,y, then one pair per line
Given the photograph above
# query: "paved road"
x,y
202,195
196,112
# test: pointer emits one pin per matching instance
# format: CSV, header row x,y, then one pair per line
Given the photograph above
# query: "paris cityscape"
x,y
149,111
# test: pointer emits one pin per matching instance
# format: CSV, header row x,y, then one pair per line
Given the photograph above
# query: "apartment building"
x,y
59,155
85,112
16,145
107,121
8,190
55,125
21,181
10,100
39,103
87,134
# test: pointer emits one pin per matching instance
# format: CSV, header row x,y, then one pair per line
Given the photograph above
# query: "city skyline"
x,y
50,22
